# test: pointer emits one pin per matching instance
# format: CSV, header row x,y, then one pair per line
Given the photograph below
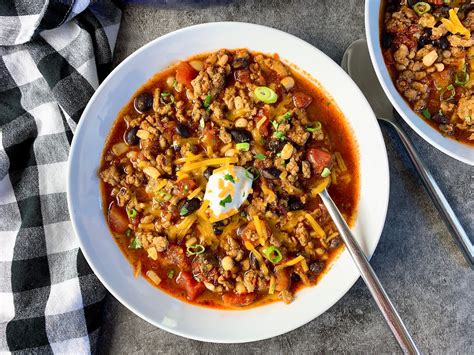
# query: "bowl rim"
x,y
303,319
448,146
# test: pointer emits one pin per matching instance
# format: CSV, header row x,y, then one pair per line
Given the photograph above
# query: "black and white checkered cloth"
x,y
53,56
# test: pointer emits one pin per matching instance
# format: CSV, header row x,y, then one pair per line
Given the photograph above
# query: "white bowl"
x,y
113,269
447,145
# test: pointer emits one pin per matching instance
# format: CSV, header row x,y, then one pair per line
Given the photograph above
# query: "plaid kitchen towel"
x,y
53,56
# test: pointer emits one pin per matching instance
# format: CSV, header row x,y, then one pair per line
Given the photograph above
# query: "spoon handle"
x,y
368,275
459,234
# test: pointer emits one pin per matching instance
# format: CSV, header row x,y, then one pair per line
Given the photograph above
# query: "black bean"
x,y
334,243
412,2
189,206
294,204
386,40
130,136
275,146
240,62
442,43
143,102
217,230
208,172
424,40
271,173
241,135
183,130
440,118
317,267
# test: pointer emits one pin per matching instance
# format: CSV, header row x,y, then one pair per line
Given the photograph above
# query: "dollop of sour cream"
x,y
228,189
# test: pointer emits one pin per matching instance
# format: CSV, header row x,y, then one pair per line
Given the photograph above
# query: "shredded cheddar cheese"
x,y
291,262
317,228
454,25
258,227
261,122
188,158
269,193
195,192
320,187
208,162
222,216
258,256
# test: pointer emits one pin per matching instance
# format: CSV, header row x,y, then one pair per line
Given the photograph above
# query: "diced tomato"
x,y
250,231
242,300
319,159
242,76
185,186
185,74
301,100
117,217
187,283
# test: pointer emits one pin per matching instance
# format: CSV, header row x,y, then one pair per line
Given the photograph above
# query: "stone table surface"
x,y
416,259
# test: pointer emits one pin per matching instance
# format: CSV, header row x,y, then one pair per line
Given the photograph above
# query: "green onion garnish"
x,y
223,202
265,94
229,177
450,90
275,124
195,249
248,174
273,254
461,78
131,213
316,127
207,101
421,8
170,274
183,211
426,113
166,98
326,172
286,116
136,243
260,156
244,147
280,135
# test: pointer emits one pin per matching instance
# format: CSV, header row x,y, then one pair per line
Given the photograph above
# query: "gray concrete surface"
x,y
416,260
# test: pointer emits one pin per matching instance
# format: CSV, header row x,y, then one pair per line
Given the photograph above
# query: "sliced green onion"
x,y
163,196
286,116
467,119
275,124
170,274
195,249
421,8
252,173
229,177
265,94
244,147
273,254
461,78
225,201
326,172
316,127
183,211
450,90
426,113
135,244
260,156
166,98
280,135
131,213
207,101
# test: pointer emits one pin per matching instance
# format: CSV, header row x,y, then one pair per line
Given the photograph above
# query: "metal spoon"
x,y
356,62
371,280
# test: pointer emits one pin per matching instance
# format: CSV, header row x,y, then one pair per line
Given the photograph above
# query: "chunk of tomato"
x,y
319,159
117,218
185,186
186,282
185,73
